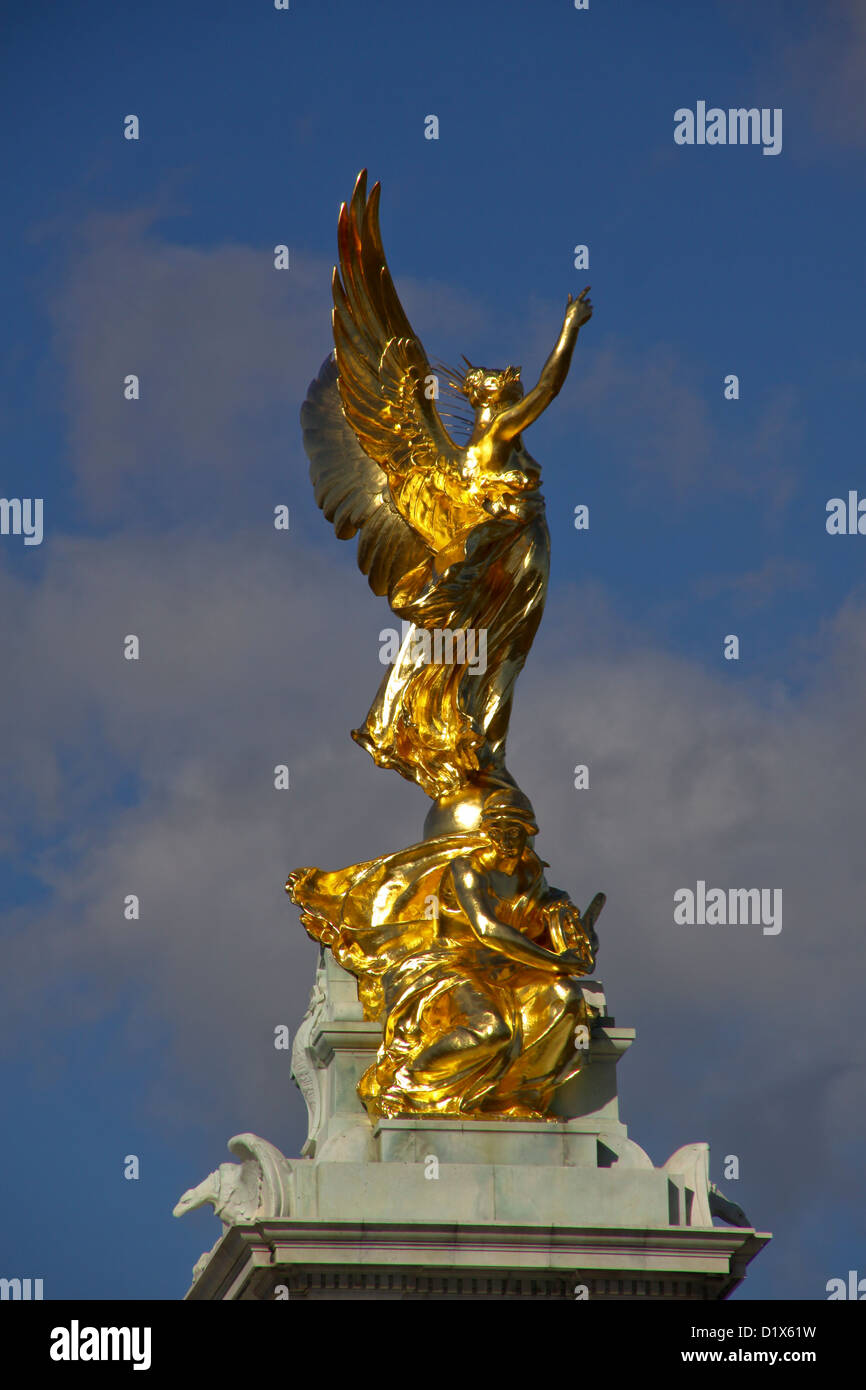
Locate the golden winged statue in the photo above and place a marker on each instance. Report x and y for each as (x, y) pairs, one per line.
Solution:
(460, 948)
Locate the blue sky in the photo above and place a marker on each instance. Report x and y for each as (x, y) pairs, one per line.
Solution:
(707, 517)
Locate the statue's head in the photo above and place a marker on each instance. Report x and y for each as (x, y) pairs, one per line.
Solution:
(487, 387)
(508, 820)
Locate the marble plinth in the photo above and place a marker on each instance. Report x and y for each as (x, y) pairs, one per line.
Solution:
(446, 1208)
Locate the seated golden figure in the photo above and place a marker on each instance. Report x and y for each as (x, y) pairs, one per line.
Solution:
(468, 958)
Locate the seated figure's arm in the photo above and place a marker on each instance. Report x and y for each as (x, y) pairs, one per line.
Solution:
(520, 416)
(480, 910)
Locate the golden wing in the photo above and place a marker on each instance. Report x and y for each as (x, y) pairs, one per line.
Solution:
(411, 466)
(383, 369)
(353, 491)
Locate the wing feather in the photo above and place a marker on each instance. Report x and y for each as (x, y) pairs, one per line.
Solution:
(376, 443)
(353, 491)
(378, 354)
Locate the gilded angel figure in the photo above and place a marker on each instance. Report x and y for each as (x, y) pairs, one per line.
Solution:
(480, 998)
(454, 535)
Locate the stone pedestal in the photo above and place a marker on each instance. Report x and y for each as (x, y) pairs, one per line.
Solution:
(443, 1208)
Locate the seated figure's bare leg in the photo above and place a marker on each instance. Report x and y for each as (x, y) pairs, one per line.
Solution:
(482, 1030)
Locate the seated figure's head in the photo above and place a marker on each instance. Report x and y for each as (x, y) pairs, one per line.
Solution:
(508, 820)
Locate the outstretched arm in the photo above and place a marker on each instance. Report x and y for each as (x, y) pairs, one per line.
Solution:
(499, 936)
(520, 416)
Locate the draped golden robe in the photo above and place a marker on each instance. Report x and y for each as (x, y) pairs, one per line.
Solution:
(466, 1029)
(441, 724)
